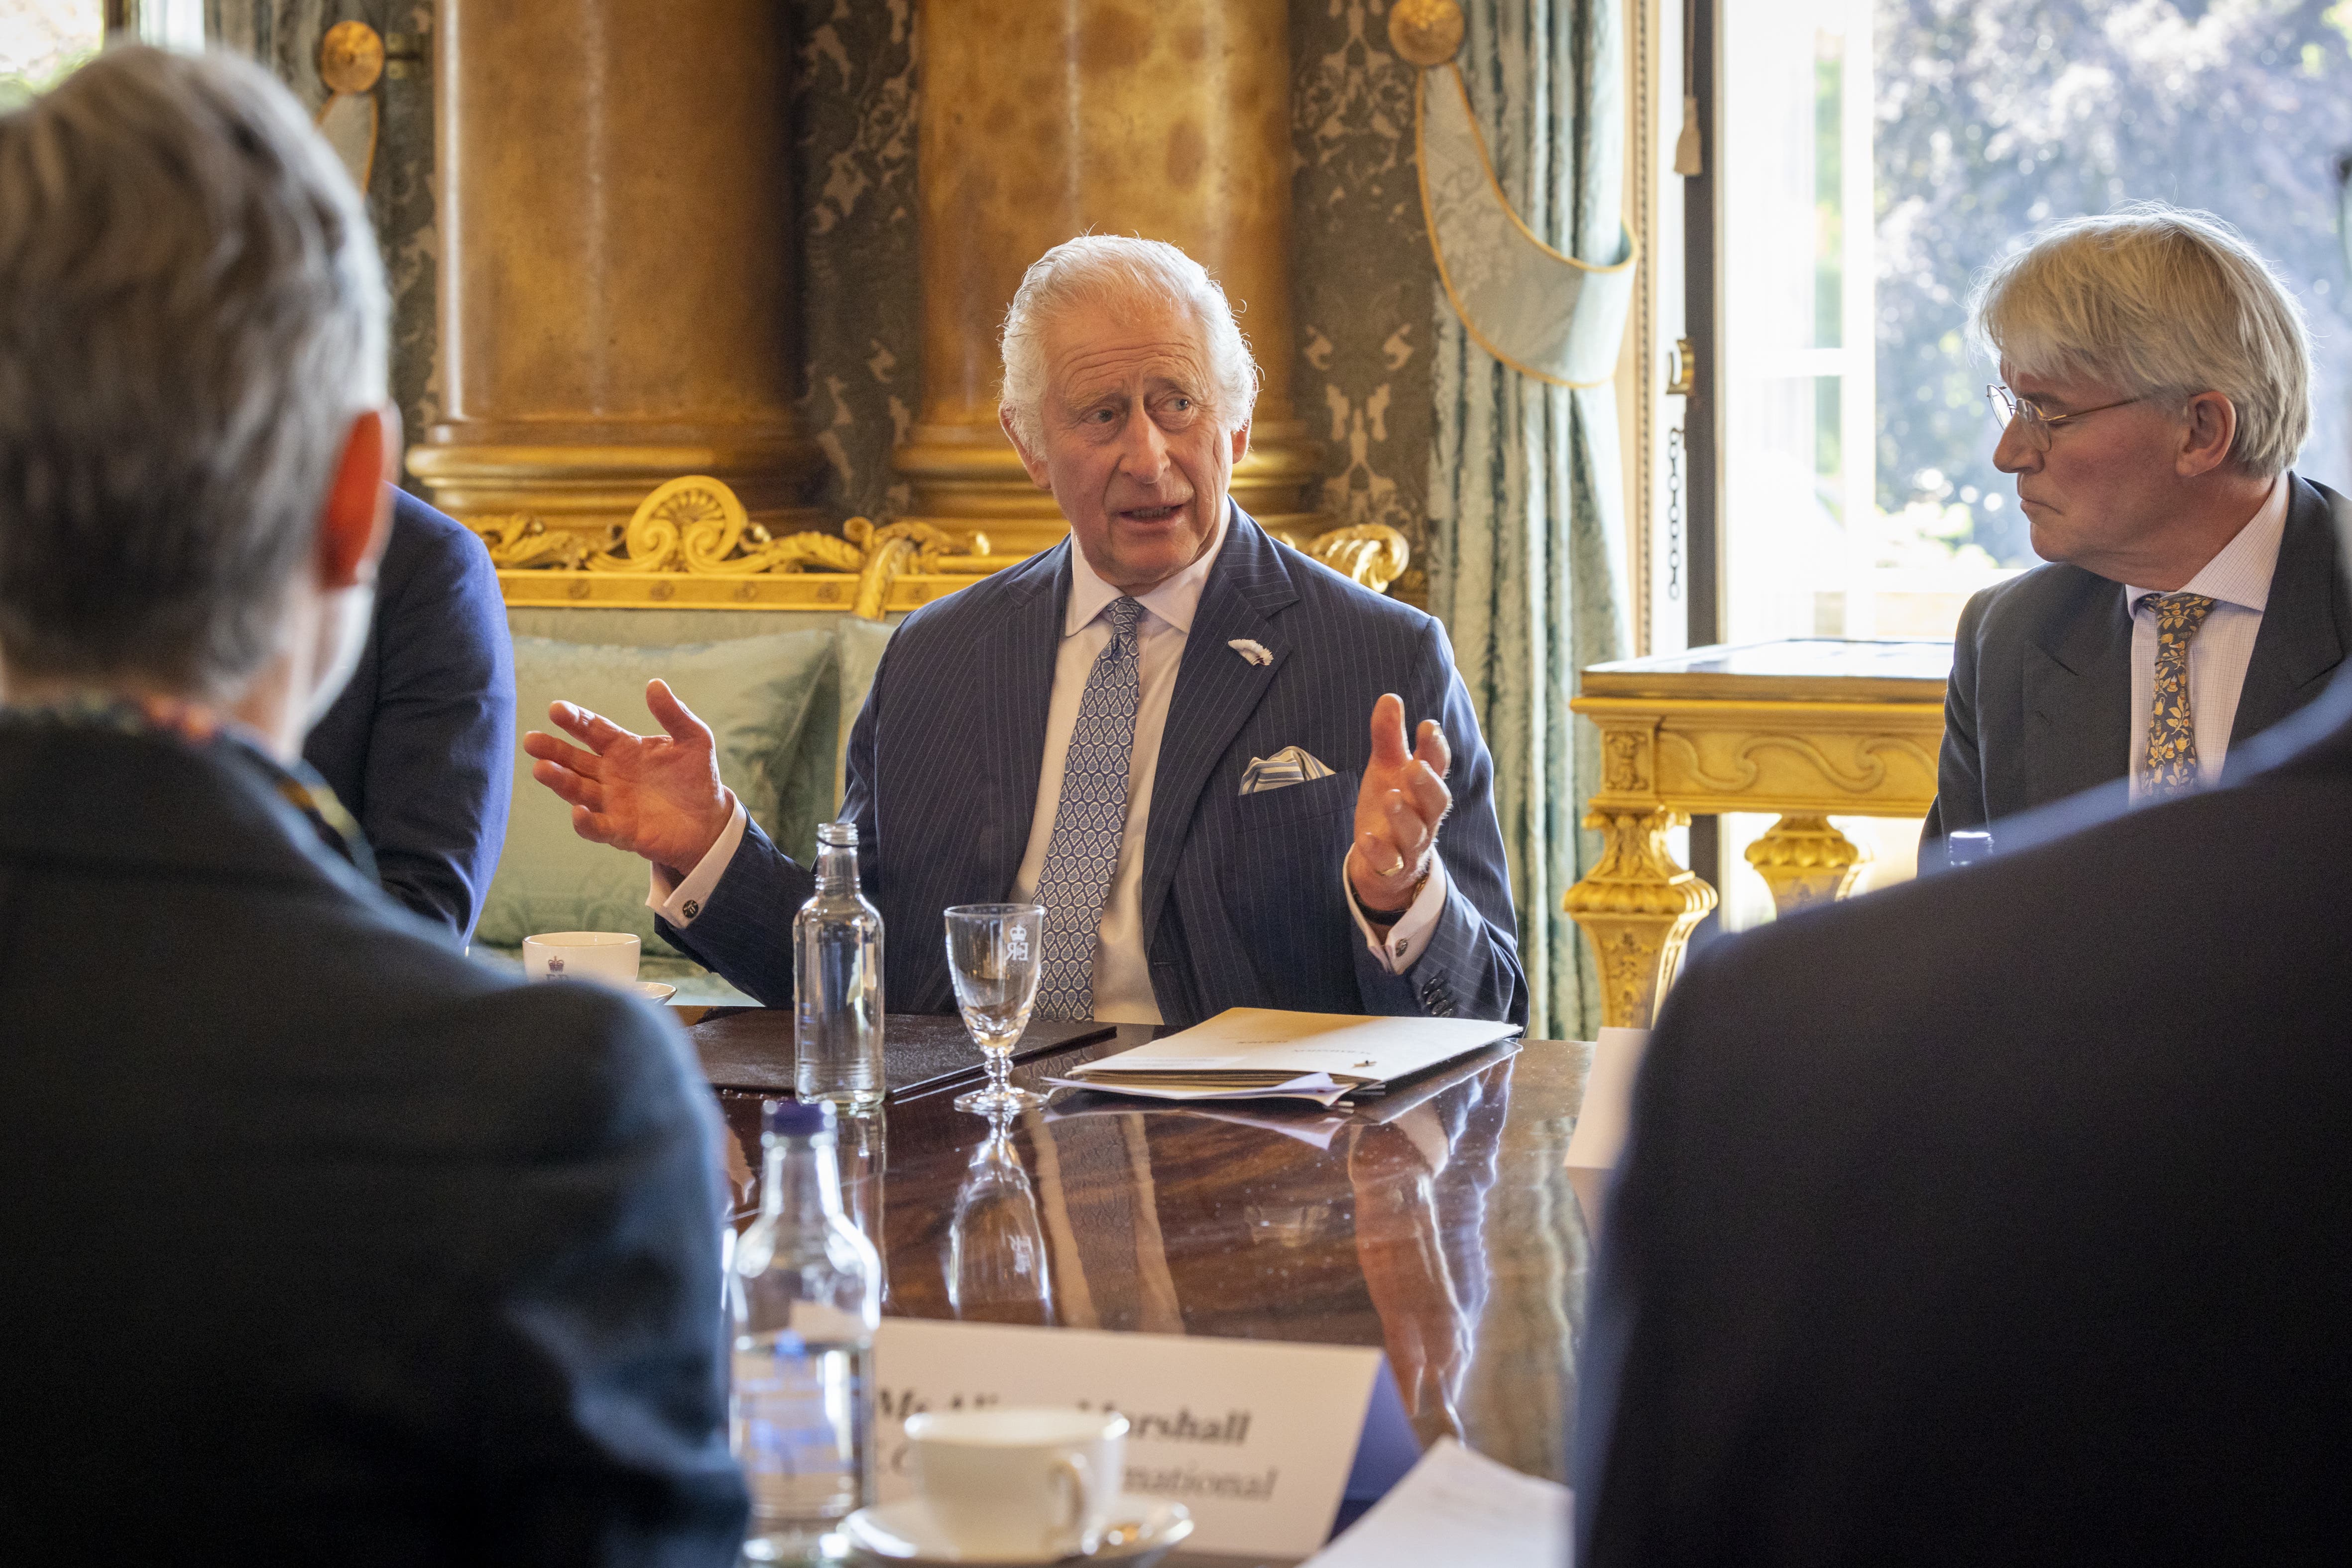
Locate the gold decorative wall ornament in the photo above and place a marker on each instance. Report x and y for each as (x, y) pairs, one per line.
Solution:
(1425, 32)
(1371, 553)
(350, 62)
(1545, 313)
(350, 57)
(1804, 729)
(691, 542)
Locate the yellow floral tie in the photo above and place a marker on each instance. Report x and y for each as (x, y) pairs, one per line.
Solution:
(2172, 728)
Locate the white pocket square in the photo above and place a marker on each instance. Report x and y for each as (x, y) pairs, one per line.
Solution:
(1290, 765)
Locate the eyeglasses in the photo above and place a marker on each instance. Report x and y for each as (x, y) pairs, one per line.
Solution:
(2007, 405)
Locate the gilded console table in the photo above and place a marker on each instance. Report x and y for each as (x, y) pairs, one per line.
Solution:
(1805, 728)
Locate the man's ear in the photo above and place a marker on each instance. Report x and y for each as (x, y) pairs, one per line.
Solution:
(1240, 442)
(356, 521)
(2210, 430)
(1035, 463)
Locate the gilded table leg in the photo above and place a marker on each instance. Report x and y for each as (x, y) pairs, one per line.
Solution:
(1806, 861)
(1637, 908)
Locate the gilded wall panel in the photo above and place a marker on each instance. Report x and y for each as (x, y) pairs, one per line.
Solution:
(1362, 277)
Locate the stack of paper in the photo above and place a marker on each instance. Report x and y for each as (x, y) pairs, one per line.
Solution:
(1247, 1053)
(1457, 1506)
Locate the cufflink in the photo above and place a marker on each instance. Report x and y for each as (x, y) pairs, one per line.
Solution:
(692, 907)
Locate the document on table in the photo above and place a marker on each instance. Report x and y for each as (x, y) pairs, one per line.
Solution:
(1456, 1506)
(1261, 1051)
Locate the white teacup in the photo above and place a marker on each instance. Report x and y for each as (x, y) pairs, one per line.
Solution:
(1019, 1485)
(610, 956)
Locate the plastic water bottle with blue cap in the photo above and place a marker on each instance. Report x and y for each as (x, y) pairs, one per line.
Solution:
(805, 1293)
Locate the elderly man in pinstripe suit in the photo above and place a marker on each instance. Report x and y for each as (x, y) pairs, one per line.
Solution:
(1158, 729)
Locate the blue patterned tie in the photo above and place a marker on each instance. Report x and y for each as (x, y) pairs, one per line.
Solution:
(2172, 727)
(1089, 821)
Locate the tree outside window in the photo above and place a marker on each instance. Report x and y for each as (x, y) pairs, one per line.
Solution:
(41, 41)
(1994, 116)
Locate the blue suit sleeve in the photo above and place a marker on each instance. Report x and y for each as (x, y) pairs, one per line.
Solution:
(745, 930)
(440, 741)
(1471, 967)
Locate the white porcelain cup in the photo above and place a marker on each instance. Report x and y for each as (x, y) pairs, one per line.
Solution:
(610, 956)
(1019, 1485)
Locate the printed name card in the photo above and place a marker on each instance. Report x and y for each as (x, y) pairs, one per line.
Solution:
(1254, 1436)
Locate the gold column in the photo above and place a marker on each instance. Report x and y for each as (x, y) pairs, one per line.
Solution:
(1041, 121)
(617, 258)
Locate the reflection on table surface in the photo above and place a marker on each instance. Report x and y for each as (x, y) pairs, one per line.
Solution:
(1436, 1222)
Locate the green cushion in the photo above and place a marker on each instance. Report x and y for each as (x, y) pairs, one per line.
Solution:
(755, 693)
(857, 654)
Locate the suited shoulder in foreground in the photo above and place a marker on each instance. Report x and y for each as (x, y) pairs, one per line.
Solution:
(324, 1244)
(1184, 739)
(420, 742)
(2005, 1216)
(2159, 384)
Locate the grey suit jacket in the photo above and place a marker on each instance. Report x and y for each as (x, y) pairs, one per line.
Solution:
(1243, 904)
(2039, 707)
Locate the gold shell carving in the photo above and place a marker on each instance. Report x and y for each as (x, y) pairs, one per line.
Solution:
(1425, 32)
(695, 526)
(350, 57)
(1371, 553)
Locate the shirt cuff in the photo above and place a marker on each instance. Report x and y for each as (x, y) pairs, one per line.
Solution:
(1409, 938)
(679, 904)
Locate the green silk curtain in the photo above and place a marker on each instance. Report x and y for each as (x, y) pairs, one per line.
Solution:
(1526, 502)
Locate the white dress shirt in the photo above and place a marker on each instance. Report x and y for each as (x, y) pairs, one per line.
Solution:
(1122, 976)
(2238, 580)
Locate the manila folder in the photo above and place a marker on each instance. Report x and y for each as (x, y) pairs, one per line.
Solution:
(1242, 1044)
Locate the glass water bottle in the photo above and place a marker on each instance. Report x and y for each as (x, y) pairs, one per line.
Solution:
(806, 1294)
(837, 981)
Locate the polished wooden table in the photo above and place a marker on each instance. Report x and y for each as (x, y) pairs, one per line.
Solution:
(1807, 728)
(1436, 1223)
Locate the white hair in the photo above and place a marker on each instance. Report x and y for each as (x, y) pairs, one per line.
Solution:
(191, 313)
(2160, 303)
(1125, 273)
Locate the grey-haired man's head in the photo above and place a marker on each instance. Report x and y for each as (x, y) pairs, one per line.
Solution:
(191, 345)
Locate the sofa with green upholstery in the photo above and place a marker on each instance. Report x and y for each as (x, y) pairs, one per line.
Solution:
(779, 689)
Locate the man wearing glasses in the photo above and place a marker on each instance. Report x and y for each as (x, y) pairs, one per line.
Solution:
(2157, 383)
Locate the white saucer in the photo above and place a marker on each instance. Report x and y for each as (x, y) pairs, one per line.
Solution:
(1141, 1534)
(653, 990)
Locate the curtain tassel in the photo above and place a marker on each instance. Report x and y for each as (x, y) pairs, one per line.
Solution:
(1686, 144)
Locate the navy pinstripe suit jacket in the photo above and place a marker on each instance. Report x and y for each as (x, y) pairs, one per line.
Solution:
(1242, 905)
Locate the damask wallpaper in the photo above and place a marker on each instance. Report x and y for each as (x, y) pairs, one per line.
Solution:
(1363, 276)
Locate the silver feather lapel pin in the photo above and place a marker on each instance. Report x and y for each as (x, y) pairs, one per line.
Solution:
(1253, 651)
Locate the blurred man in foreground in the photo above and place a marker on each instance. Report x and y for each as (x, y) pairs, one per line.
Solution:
(322, 1244)
(2006, 1216)
(2157, 385)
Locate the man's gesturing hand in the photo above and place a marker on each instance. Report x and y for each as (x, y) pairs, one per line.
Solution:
(655, 795)
(1402, 800)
